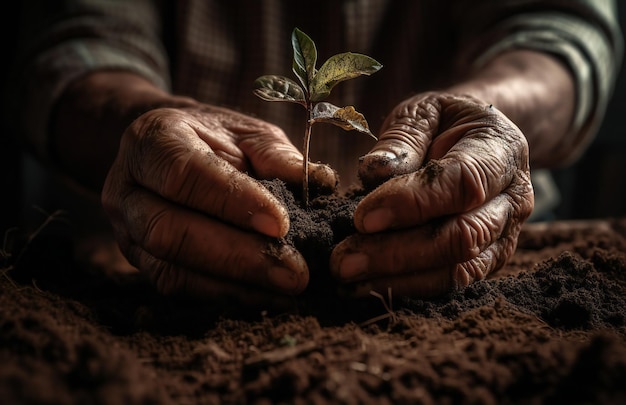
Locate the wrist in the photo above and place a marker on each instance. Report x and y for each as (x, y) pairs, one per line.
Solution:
(91, 116)
(535, 91)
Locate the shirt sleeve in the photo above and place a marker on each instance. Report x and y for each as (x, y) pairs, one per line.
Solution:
(583, 34)
(62, 41)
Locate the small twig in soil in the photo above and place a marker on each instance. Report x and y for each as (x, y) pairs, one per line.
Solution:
(6, 255)
(50, 217)
(4, 252)
(4, 272)
(280, 355)
(388, 307)
(286, 353)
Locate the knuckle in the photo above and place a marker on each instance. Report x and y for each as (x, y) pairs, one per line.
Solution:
(167, 279)
(475, 269)
(241, 263)
(178, 179)
(239, 267)
(411, 118)
(466, 273)
(158, 231)
(155, 147)
(520, 197)
(460, 276)
(473, 178)
(470, 235)
(145, 131)
(491, 259)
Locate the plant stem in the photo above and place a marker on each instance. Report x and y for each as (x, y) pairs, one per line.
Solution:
(305, 162)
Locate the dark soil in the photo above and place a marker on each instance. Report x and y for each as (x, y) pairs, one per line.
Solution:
(550, 327)
(314, 230)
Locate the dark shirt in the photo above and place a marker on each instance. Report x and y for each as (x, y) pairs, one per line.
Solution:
(214, 50)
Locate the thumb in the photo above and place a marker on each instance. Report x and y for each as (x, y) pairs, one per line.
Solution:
(403, 143)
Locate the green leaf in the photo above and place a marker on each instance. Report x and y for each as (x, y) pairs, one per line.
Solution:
(347, 117)
(304, 57)
(338, 68)
(279, 88)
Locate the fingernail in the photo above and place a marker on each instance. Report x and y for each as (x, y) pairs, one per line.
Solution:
(378, 220)
(353, 265)
(265, 224)
(383, 153)
(284, 279)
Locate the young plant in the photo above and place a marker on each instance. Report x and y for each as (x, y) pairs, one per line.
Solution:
(315, 85)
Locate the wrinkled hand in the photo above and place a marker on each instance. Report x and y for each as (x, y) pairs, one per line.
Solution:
(455, 192)
(187, 211)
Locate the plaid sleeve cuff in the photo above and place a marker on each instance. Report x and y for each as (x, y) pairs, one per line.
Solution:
(54, 70)
(592, 56)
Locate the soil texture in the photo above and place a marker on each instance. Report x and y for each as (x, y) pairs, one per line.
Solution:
(550, 327)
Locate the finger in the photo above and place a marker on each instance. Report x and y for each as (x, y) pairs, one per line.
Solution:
(201, 244)
(171, 280)
(275, 157)
(165, 155)
(410, 131)
(402, 144)
(476, 169)
(456, 239)
(434, 282)
(270, 152)
(420, 129)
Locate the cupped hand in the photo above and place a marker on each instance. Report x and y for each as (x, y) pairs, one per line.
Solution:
(453, 191)
(187, 209)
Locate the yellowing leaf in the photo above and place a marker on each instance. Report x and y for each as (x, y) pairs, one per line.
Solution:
(338, 68)
(279, 88)
(347, 117)
(304, 57)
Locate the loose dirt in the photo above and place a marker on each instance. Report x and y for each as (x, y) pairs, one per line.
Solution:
(550, 327)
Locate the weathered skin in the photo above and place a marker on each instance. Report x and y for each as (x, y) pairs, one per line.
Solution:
(453, 174)
(186, 213)
(455, 191)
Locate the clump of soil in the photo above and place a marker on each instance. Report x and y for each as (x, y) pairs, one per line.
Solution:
(316, 229)
(550, 327)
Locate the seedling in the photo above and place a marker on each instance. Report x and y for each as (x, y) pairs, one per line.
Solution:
(315, 85)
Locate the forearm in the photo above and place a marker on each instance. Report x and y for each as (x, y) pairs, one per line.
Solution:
(91, 116)
(536, 91)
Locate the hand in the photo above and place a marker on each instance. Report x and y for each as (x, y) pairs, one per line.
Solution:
(455, 191)
(188, 213)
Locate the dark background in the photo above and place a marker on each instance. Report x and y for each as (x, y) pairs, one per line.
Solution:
(593, 187)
